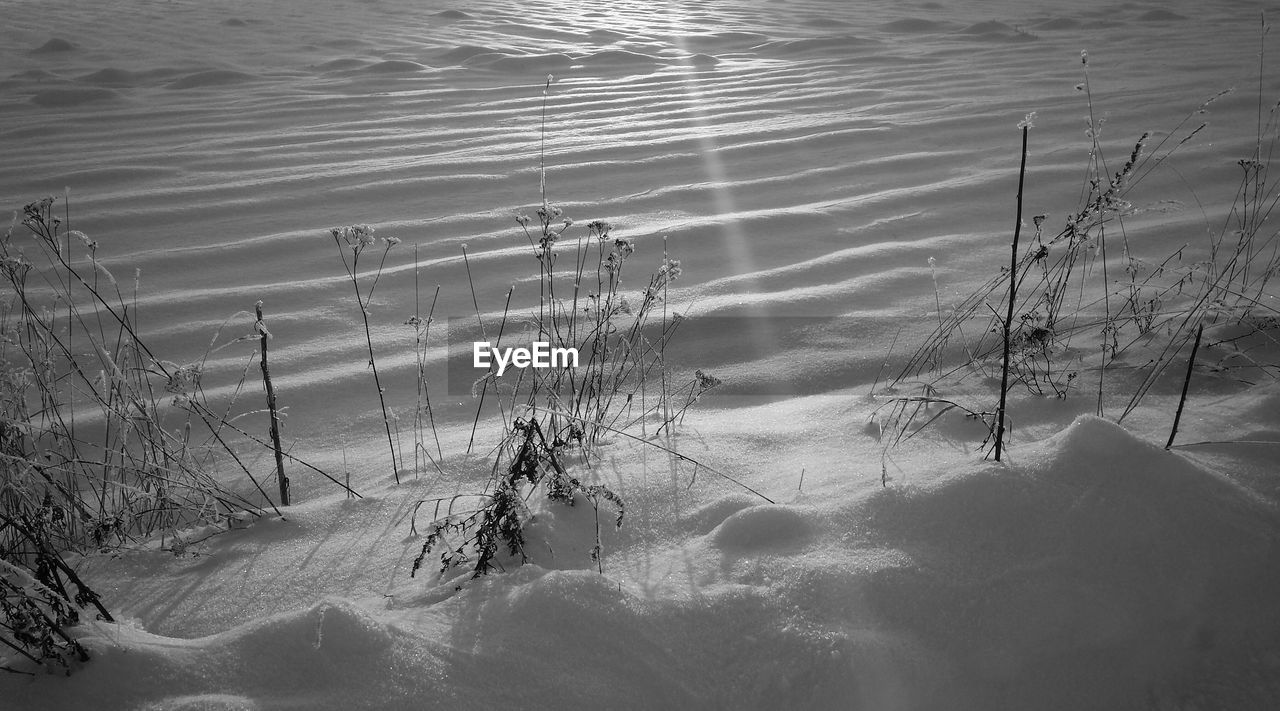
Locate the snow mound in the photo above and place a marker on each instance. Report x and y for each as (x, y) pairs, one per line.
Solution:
(1095, 571)
(725, 649)
(1102, 554)
(602, 638)
(331, 650)
(54, 45)
(766, 526)
(710, 515)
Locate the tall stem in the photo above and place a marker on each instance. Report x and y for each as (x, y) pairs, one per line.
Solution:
(1186, 384)
(362, 302)
(377, 383)
(1013, 291)
(271, 407)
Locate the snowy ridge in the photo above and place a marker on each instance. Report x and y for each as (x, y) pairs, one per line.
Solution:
(1097, 557)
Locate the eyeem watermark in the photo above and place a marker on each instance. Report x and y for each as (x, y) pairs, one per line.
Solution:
(540, 354)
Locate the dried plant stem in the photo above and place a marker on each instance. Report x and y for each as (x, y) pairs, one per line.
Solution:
(542, 148)
(382, 401)
(422, 329)
(1186, 383)
(363, 300)
(1013, 289)
(426, 392)
(271, 407)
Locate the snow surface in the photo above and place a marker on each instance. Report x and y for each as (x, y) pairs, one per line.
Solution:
(803, 159)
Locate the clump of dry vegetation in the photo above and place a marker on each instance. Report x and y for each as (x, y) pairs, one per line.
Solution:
(103, 444)
(1088, 312)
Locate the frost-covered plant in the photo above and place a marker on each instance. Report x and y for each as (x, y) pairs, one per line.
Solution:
(86, 421)
(102, 442)
(356, 239)
(473, 538)
(1085, 308)
(34, 618)
(622, 379)
(620, 384)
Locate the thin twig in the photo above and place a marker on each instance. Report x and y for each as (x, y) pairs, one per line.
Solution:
(1013, 288)
(1186, 383)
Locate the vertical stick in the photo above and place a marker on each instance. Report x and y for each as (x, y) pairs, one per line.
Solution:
(1177, 417)
(542, 149)
(598, 551)
(271, 406)
(662, 342)
(422, 376)
(417, 355)
(1013, 289)
(71, 401)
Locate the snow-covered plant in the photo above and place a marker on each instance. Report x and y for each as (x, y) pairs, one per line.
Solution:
(102, 442)
(622, 378)
(620, 384)
(34, 618)
(1090, 309)
(473, 538)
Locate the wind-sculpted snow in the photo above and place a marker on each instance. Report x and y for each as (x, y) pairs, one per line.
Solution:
(1098, 558)
(833, 177)
(757, 138)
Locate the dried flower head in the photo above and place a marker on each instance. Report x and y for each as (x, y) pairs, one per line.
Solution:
(357, 237)
(599, 228)
(15, 265)
(705, 381)
(612, 263)
(670, 269)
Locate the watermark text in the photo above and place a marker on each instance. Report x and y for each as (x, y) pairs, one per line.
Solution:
(540, 354)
